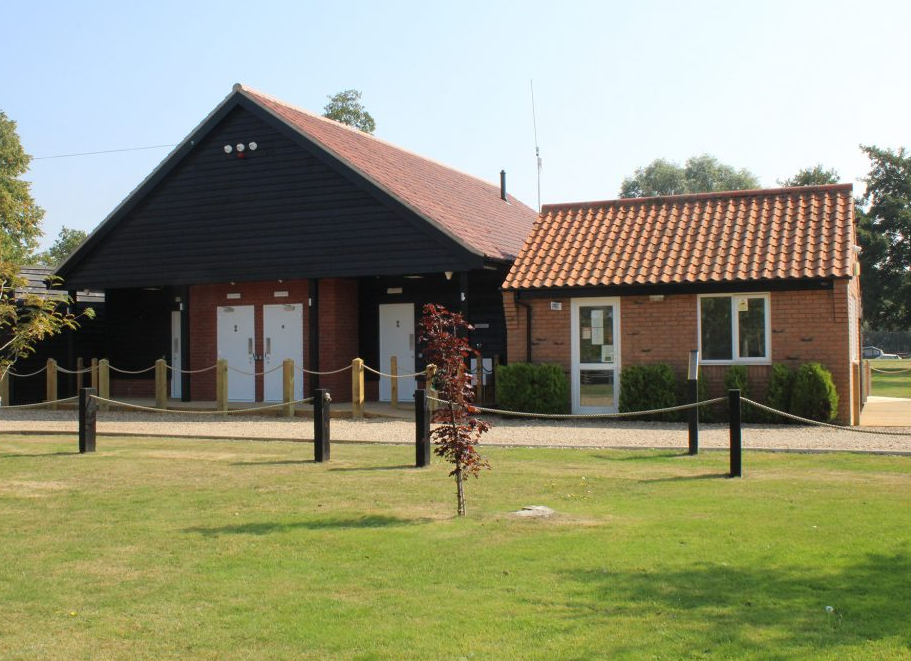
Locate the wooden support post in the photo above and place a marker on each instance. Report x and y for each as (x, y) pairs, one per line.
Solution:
(80, 365)
(104, 383)
(394, 371)
(321, 416)
(431, 391)
(161, 384)
(288, 387)
(94, 374)
(736, 442)
(479, 380)
(4, 390)
(221, 385)
(357, 388)
(51, 375)
(421, 429)
(87, 418)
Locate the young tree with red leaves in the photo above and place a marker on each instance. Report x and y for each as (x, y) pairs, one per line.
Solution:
(459, 430)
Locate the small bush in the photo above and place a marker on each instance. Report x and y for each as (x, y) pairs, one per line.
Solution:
(707, 413)
(813, 395)
(781, 385)
(738, 378)
(532, 388)
(644, 387)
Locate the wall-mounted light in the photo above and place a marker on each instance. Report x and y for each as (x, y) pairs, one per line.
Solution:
(228, 149)
(252, 146)
(656, 298)
(448, 274)
(240, 147)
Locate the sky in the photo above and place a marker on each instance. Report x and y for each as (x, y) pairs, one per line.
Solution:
(772, 87)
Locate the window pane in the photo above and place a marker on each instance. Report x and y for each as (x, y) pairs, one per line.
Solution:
(596, 388)
(717, 337)
(752, 327)
(596, 334)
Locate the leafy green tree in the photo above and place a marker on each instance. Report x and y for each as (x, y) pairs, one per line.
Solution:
(20, 217)
(883, 230)
(814, 176)
(700, 174)
(346, 107)
(67, 241)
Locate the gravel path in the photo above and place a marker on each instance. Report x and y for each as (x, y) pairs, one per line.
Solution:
(504, 431)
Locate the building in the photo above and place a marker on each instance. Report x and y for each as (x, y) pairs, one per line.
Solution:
(747, 277)
(272, 233)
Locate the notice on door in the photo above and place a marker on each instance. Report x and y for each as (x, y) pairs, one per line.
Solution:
(597, 327)
(607, 353)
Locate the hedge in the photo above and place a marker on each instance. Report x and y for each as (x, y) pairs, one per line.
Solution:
(532, 388)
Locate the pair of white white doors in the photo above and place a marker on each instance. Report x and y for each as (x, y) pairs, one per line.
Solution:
(283, 338)
(397, 339)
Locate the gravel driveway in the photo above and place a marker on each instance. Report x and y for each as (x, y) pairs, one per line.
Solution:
(504, 431)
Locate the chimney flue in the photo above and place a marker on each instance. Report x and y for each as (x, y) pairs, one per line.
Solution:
(503, 185)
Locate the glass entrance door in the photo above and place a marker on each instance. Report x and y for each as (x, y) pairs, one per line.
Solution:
(596, 354)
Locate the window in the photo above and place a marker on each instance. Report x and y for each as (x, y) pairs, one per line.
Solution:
(734, 328)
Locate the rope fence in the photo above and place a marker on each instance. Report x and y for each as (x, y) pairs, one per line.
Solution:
(263, 373)
(589, 416)
(153, 409)
(395, 376)
(898, 371)
(122, 371)
(25, 376)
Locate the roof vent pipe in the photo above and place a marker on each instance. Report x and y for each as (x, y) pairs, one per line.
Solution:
(503, 185)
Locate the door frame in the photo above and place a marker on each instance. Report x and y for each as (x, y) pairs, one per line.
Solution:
(577, 367)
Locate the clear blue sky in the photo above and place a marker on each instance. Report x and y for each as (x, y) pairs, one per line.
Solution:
(771, 86)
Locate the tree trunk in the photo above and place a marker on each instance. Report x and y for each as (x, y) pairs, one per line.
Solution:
(460, 491)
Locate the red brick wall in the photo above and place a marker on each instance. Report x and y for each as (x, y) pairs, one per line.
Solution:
(133, 387)
(338, 334)
(806, 326)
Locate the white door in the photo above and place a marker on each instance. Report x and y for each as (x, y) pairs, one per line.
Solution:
(175, 354)
(397, 339)
(596, 354)
(283, 337)
(236, 345)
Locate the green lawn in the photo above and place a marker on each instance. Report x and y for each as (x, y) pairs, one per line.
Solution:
(897, 384)
(157, 549)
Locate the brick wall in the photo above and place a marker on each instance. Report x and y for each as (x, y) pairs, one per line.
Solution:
(806, 326)
(338, 334)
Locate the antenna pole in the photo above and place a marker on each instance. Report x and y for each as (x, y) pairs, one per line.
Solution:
(534, 120)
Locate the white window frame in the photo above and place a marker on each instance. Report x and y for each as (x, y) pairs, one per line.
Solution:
(735, 330)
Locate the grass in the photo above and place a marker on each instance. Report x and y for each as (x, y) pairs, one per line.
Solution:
(891, 385)
(154, 549)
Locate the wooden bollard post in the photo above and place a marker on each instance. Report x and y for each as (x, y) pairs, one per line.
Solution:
(51, 375)
(161, 384)
(321, 400)
(394, 371)
(4, 389)
(94, 374)
(357, 388)
(104, 383)
(479, 383)
(87, 418)
(736, 440)
(288, 387)
(221, 385)
(421, 429)
(431, 391)
(80, 365)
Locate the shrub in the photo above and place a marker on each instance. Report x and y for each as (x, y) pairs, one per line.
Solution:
(706, 413)
(781, 385)
(532, 388)
(644, 387)
(737, 378)
(813, 395)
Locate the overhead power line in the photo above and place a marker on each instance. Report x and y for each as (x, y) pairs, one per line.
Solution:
(106, 151)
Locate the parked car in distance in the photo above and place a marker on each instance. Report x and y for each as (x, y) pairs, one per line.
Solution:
(875, 353)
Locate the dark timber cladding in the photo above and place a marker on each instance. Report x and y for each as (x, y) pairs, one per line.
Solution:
(285, 210)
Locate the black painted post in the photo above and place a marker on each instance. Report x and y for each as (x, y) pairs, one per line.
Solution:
(736, 445)
(321, 401)
(693, 396)
(421, 429)
(88, 409)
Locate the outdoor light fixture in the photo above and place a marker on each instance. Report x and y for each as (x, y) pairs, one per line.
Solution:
(252, 146)
(448, 274)
(240, 146)
(228, 149)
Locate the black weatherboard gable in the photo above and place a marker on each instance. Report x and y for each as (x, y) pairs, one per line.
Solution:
(291, 209)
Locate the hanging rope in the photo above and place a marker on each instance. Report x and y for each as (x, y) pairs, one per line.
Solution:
(66, 371)
(590, 416)
(152, 409)
(200, 371)
(399, 376)
(898, 371)
(807, 421)
(41, 404)
(234, 369)
(142, 371)
(340, 369)
(25, 376)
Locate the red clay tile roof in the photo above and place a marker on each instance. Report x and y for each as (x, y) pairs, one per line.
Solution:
(784, 233)
(465, 207)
